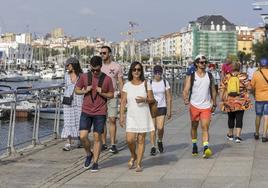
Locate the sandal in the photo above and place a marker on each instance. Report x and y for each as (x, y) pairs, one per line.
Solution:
(139, 169)
(131, 163)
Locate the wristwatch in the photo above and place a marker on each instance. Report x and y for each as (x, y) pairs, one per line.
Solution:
(214, 105)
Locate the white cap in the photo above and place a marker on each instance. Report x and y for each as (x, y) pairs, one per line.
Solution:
(200, 56)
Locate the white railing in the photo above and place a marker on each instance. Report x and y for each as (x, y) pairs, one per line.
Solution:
(38, 95)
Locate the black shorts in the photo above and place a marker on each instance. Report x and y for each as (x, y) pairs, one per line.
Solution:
(162, 111)
(98, 121)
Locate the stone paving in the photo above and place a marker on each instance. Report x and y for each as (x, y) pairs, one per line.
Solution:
(232, 165)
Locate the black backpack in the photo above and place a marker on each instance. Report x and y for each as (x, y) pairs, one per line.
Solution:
(192, 83)
(100, 83)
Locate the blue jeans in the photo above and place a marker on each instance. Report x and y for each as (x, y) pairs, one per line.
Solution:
(261, 108)
(98, 122)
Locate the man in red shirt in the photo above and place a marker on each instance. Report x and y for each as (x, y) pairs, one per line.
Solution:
(94, 108)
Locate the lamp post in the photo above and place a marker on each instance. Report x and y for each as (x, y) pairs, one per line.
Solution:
(265, 21)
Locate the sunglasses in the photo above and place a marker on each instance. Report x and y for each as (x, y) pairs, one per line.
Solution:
(103, 53)
(202, 62)
(95, 70)
(138, 70)
(158, 72)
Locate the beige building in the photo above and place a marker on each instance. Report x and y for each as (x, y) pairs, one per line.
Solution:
(244, 39)
(80, 43)
(258, 34)
(167, 46)
(8, 37)
(57, 33)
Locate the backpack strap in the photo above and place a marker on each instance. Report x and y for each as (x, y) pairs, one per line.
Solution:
(192, 78)
(89, 78)
(100, 83)
(101, 79)
(264, 76)
(165, 83)
(210, 82)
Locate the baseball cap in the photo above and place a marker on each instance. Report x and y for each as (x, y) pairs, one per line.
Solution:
(71, 60)
(158, 68)
(200, 56)
(264, 62)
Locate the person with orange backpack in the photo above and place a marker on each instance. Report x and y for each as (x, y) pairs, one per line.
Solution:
(235, 100)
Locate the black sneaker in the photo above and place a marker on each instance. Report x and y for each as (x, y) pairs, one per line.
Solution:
(230, 137)
(256, 136)
(160, 147)
(264, 139)
(95, 167)
(88, 161)
(113, 149)
(195, 150)
(104, 147)
(238, 139)
(153, 151)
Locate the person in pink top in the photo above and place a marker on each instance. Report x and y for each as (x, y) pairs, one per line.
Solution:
(96, 87)
(226, 68)
(114, 71)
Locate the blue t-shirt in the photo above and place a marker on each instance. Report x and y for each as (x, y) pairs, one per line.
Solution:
(191, 69)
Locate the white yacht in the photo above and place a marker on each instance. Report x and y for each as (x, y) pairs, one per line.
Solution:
(47, 74)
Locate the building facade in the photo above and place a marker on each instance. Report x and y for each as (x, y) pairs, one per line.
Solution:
(213, 35)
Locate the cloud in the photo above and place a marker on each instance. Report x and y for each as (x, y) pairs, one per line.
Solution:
(86, 12)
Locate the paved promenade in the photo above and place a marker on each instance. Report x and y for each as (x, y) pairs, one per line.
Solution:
(232, 165)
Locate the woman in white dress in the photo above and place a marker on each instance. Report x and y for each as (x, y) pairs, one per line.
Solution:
(71, 112)
(138, 119)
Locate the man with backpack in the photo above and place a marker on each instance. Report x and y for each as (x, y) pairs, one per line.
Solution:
(200, 93)
(96, 87)
(259, 85)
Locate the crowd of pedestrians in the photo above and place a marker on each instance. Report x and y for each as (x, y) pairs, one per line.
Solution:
(100, 97)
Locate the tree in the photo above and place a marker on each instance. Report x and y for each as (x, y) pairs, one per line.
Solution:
(260, 50)
(145, 58)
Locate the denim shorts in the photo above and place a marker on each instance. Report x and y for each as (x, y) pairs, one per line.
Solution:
(261, 108)
(98, 122)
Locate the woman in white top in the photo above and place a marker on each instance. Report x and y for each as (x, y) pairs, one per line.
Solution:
(138, 120)
(162, 95)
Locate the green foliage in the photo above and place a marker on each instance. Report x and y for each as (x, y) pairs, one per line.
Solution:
(260, 50)
(232, 57)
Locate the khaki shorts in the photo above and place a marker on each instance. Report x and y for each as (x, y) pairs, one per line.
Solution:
(112, 105)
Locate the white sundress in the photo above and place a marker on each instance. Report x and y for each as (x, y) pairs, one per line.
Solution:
(139, 119)
(71, 113)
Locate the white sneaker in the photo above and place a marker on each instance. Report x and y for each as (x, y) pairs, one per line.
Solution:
(67, 147)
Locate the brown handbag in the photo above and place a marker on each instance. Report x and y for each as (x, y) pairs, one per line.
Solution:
(152, 105)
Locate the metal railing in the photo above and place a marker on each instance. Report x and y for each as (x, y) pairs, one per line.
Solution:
(39, 96)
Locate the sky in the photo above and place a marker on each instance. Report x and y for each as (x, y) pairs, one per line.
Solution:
(109, 18)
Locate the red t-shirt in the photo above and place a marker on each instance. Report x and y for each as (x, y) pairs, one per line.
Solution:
(98, 105)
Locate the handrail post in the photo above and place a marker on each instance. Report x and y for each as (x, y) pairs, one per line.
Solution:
(10, 129)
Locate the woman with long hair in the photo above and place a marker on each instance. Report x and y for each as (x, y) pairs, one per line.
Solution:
(137, 95)
(71, 112)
